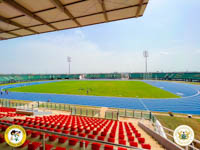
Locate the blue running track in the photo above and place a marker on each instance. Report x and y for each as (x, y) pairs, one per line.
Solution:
(188, 103)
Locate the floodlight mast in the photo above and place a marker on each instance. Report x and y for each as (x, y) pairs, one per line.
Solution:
(146, 55)
(69, 59)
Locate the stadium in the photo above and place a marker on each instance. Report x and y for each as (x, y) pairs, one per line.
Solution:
(110, 110)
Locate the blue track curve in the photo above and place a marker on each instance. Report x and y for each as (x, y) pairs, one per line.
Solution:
(189, 103)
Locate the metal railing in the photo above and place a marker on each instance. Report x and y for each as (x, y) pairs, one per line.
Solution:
(73, 109)
(73, 136)
(128, 113)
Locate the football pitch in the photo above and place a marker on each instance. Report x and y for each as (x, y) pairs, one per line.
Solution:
(136, 89)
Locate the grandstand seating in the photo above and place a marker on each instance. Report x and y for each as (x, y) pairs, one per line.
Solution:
(117, 132)
(103, 76)
(6, 109)
(167, 76)
(8, 112)
(36, 77)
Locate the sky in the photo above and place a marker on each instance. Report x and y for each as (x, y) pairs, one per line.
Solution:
(169, 31)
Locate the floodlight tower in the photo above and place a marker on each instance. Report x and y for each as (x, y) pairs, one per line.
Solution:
(69, 59)
(146, 55)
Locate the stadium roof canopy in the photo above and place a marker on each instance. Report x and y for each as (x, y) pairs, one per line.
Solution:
(20, 18)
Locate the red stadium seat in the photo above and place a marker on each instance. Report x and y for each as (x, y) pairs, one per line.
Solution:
(46, 135)
(60, 148)
(53, 138)
(101, 138)
(121, 136)
(131, 138)
(146, 146)
(141, 140)
(112, 135)
(111, 140)
(25, 143)
(134, 144)
(95, 132)
(137, 134)
(47, 147)
(73, 141)
(103, 133)
(73, 133)
(62, 139)
(121, 148)
(108, 147)
(82, 134)
(91, 136)
(65, 132)
(96, 146)
(122, 142)
(35, 134)
(2, 140)
(34, 146)
(86, 143)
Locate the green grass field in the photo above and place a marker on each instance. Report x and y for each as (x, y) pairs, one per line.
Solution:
(100, 88)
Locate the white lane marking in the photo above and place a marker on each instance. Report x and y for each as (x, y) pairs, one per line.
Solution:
(179, 93)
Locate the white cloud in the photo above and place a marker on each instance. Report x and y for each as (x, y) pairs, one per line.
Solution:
(80, 33)
(164, 53)
(198, 51)
(48, 54)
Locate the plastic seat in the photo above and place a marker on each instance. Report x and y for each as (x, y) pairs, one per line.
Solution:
(53, 138)
(134, 144)
(91, 136)
(112, 135)
(87, 131)
(86, 143)
(121, 136)
(129, 133)
(58, 130)
(146, 146)
(73, 141)
(131, 138)
(103, 133)
(34, 145)
(47, 147)
(121, 132)
(2, 140)
(60, 148)
(25, 143)
(101, 138)
(82, 134)
(96, 146)
(80, 130)
(35, 134)
(122, 142)
(73, 133)
(121, 148)
(108, 147)
(62, 139)
(112, 140)
(65, 132)
(141, 140)
(137, 135)
(46, 135)
(95, 132)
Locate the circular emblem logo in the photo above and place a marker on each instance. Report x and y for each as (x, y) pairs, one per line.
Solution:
(183, 135)
(15, 135)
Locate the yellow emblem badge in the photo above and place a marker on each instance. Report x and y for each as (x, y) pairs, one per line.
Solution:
(15, 135)
(183, 135)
